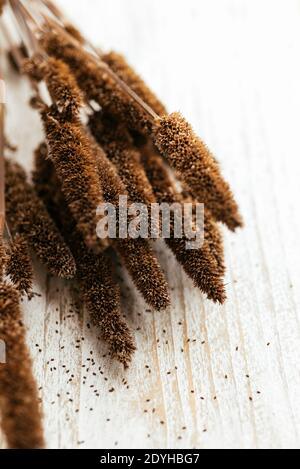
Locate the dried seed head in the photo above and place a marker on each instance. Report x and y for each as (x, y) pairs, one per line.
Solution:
(19, 266)
(96, 81)
(118, 146)
(136, 254)
(44, 179)
(213, 235)
(119, 65)
(27, 215)
(35, 68)
(21, 418)
(71, 153)
(145, 271)
(60, 82)
(200, 265)
(102, 298)
(176, 140)
(110, 181)
(73, 31)
(94, 272)
(15, 55)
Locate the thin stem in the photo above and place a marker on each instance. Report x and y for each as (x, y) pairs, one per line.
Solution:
(14, 49)
(23, 17)
(8, 232)
(59, 15)
(2, 168)
(52, 24)
(93, 55)
(54, 9)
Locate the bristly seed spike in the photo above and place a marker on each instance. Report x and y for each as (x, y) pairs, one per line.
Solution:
(94, 272)
(19, 403)
(19, 267)
(187, 154)
(27, 215)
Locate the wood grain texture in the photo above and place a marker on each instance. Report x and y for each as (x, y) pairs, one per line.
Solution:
(204, 376)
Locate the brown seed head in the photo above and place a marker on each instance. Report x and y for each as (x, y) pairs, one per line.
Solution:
(27, 215)
(94, 272)
(71, 153)
(102, 298)
(176, 140)
(20, 413)
(118, 146)
(19, 266)
(96, 81)
(60, 82)
(119, 65)
(145, 271)
(73, 31)
(136, 254)
(200, 265)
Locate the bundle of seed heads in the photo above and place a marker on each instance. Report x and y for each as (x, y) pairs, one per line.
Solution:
(130, 148)
(100, 292)
(173, 136)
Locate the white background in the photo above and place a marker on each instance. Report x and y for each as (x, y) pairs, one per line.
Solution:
(233, 68)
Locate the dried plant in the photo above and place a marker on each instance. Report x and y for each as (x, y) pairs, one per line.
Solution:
(71, 153)
(28, 216)
(176, 140)
(172, 135)
(19, 267)
(137, 254)
(200, 264)
(130, 147)
(102, 298)
(96, 80)
(20, 412)
(61, 84)
(145, 271)
(94, 272)
(118, 146)
(120, 66)
(2, 189)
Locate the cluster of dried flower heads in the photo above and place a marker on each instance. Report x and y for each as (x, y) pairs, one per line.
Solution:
(106, 135)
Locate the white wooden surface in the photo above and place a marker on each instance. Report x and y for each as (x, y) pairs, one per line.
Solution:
(217, 377)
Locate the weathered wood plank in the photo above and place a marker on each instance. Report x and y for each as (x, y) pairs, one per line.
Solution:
(203, 376)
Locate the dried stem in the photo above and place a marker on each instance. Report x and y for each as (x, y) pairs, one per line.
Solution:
(14, 48)
(2, 169)
(23, 17)
(3, 257)
(95, 58)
